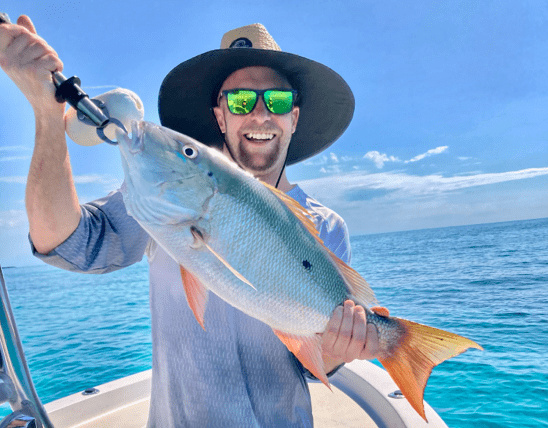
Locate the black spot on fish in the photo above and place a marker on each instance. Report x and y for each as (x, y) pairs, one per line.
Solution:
(307, 265)
(210, 174)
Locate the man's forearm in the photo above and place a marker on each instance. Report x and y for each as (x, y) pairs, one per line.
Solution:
(51, 199)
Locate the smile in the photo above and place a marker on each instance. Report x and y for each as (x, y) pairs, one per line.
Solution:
(255, 136)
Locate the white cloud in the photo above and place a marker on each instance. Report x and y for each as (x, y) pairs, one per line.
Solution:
(95, 179)
(13, 218)
(315, 161)
(430, 152)
(94, 185)
(12, 158)
(331, 169)
(105, 180)
(477, 172)
(391, 201)
(331, 164)
(380, 158)
(108, 182)
(19, 179)
(14, 148)
(403, 185)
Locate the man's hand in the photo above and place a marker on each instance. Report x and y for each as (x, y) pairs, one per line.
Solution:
(29, 61)
(348, 337)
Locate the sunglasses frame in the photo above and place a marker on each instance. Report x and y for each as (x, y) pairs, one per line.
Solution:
(260, 94)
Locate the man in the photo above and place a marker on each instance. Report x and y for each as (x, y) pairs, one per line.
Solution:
(236, 373)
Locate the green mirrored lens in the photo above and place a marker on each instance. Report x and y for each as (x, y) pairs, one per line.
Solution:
(279, 102)
(241, 102)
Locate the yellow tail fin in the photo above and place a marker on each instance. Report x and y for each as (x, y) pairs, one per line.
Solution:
(419, 350)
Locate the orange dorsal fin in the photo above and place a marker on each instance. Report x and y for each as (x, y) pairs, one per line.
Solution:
(198, 237)
(297, 210)
(381, 311)
(308, 351)
(419, 350)
(358, 287)
(196, 295)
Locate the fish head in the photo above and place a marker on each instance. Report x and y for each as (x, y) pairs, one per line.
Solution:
(166, 178)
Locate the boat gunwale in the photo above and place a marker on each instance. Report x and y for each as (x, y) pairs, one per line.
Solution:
(365, 383)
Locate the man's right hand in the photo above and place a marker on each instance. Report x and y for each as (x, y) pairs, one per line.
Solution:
(29, 61)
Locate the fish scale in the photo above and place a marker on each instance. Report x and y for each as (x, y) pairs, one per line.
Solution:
(256, 248)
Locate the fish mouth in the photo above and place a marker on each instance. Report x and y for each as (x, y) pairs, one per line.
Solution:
(130, 147)
(134, 144)
(137, 133)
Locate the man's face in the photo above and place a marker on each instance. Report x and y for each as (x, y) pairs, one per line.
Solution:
(260, 156)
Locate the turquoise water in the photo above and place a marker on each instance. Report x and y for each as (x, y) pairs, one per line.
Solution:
(487, 282)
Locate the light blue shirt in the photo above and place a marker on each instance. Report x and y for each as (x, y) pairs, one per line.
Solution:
(237, 373)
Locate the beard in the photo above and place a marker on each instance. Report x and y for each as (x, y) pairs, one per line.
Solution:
(257, 160)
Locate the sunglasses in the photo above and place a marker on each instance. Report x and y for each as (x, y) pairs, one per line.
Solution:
(243, 101)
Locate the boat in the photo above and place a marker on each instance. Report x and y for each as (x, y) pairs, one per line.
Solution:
(363, 395)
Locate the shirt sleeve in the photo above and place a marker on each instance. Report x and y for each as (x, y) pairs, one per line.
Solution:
(106, 239)
(334, 234)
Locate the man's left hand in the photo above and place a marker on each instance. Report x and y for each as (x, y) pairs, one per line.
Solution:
(348, 337)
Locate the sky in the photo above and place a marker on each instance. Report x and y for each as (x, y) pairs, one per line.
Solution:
(450, 126)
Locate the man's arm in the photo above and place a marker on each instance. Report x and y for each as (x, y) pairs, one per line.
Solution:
(51, 200)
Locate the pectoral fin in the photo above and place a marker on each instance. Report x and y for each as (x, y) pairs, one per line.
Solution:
(196, 295)
(308, 351)
(199, 237)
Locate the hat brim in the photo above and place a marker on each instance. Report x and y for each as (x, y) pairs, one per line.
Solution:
(189, 91)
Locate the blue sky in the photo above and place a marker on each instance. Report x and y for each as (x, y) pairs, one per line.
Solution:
(450, 126)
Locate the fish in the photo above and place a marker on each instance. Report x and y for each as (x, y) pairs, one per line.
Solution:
(258, 249)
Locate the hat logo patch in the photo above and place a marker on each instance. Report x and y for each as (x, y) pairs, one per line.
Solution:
(242, 42)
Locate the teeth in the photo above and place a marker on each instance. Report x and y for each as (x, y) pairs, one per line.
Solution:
(256, 136)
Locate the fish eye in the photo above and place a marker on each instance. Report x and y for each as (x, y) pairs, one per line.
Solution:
(190, 152)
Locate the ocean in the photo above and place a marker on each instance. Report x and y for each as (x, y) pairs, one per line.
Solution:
(488, 282)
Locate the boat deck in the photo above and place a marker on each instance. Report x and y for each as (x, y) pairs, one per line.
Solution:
(361, 397)
(330, 409)
(337, 410)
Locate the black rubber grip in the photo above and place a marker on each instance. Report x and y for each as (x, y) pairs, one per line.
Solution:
(70, 91)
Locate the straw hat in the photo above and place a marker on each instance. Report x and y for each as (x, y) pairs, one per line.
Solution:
(189, 92)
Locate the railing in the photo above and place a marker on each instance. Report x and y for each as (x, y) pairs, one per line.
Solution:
(16, 385)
